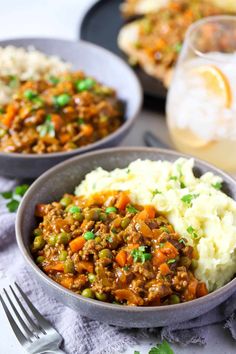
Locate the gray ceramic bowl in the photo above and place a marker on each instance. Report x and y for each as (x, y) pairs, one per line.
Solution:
(95, 61)
(63, 178)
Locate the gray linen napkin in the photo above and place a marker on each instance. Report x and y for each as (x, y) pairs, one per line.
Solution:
(82, 335)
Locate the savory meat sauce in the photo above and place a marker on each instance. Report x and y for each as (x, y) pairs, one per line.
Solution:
(104, 247)
(161, 34)
(59, 114)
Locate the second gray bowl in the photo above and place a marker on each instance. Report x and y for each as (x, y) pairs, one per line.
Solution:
(95, 61)
(64, 178)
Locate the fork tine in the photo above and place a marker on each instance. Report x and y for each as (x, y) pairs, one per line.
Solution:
(19, 335)
(23, 324)
(29, 319)
(41, 320)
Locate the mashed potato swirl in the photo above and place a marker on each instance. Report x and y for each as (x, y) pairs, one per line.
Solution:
(196, 207)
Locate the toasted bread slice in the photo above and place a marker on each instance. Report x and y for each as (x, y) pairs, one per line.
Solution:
(127, 42)
(141, 7)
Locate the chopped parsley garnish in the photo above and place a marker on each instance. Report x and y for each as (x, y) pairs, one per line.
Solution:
(178, 47)
(174, 178)
(161, 244)
(171, 261)
(14, 197)
(126, 268)
(131, 209)
(139, 254)
(182, 241)
(13, 82)
(187, 198)
(30, 94)
(80, 121)
(163, 348)
(47, 128)
(155, 192)
(165, 229)
(109, 239)
(217, 185)
(192, 232)
(53, 80)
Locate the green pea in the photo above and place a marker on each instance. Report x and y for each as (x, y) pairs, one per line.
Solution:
(53, 80)
(69, 266)
(91, 277)
(92, 214)
(52, 240)
(174, 299)
(38, 243)
(125, 222)
(86, 84)
(89, 235)
(185, 261)
(88, 293)
(30, 94)
(78, 216)
(103, 217)
(65, 201)
(100, 296)
(37, 232)
(111, 210)
(40, 259)
(105, 253)
(98, 239)
(63, 99)
(194, 263)
(2, 132)
(74, 209)
(64, 238)
(62, 256)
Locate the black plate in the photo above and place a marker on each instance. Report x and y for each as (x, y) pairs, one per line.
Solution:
(101, 25)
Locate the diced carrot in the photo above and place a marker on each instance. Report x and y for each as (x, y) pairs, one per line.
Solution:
(9, 117)
(191, 290)
(122, 201)
(129, 296)
(67, 282)
(121, 258)
(40, 210)
(84, 223)
(164, 269)
(169, 250)
(158, 258)
(84, 265)
(132, 246)
(160, 44)
(87, 129)
(143, 228)
(142, 215)
(202, 289)
(57, 121)
(54, 267)
(77, 244)
(64, 138)
(150, 210)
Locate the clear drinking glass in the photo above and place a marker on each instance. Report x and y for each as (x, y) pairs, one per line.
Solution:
(201, 102)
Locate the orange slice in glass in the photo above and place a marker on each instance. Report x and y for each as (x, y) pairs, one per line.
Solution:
(216, 82)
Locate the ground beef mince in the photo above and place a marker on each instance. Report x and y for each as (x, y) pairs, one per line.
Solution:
(59, 114)
(105, 248)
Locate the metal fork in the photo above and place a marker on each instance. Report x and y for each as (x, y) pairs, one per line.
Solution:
(36, 336)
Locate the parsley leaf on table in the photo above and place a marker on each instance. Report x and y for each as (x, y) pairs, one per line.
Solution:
(163, 348)
(14, 197)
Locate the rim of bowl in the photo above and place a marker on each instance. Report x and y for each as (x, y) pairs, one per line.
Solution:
(122, 129)
(27, 256)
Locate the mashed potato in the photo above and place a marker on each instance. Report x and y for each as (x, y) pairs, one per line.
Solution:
(196, 207)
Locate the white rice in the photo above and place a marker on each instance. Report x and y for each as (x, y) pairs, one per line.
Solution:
(26, 64)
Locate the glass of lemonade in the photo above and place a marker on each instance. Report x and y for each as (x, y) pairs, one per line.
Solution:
(201, 102)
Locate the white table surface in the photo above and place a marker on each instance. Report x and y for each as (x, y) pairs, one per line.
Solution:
(61, 18)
